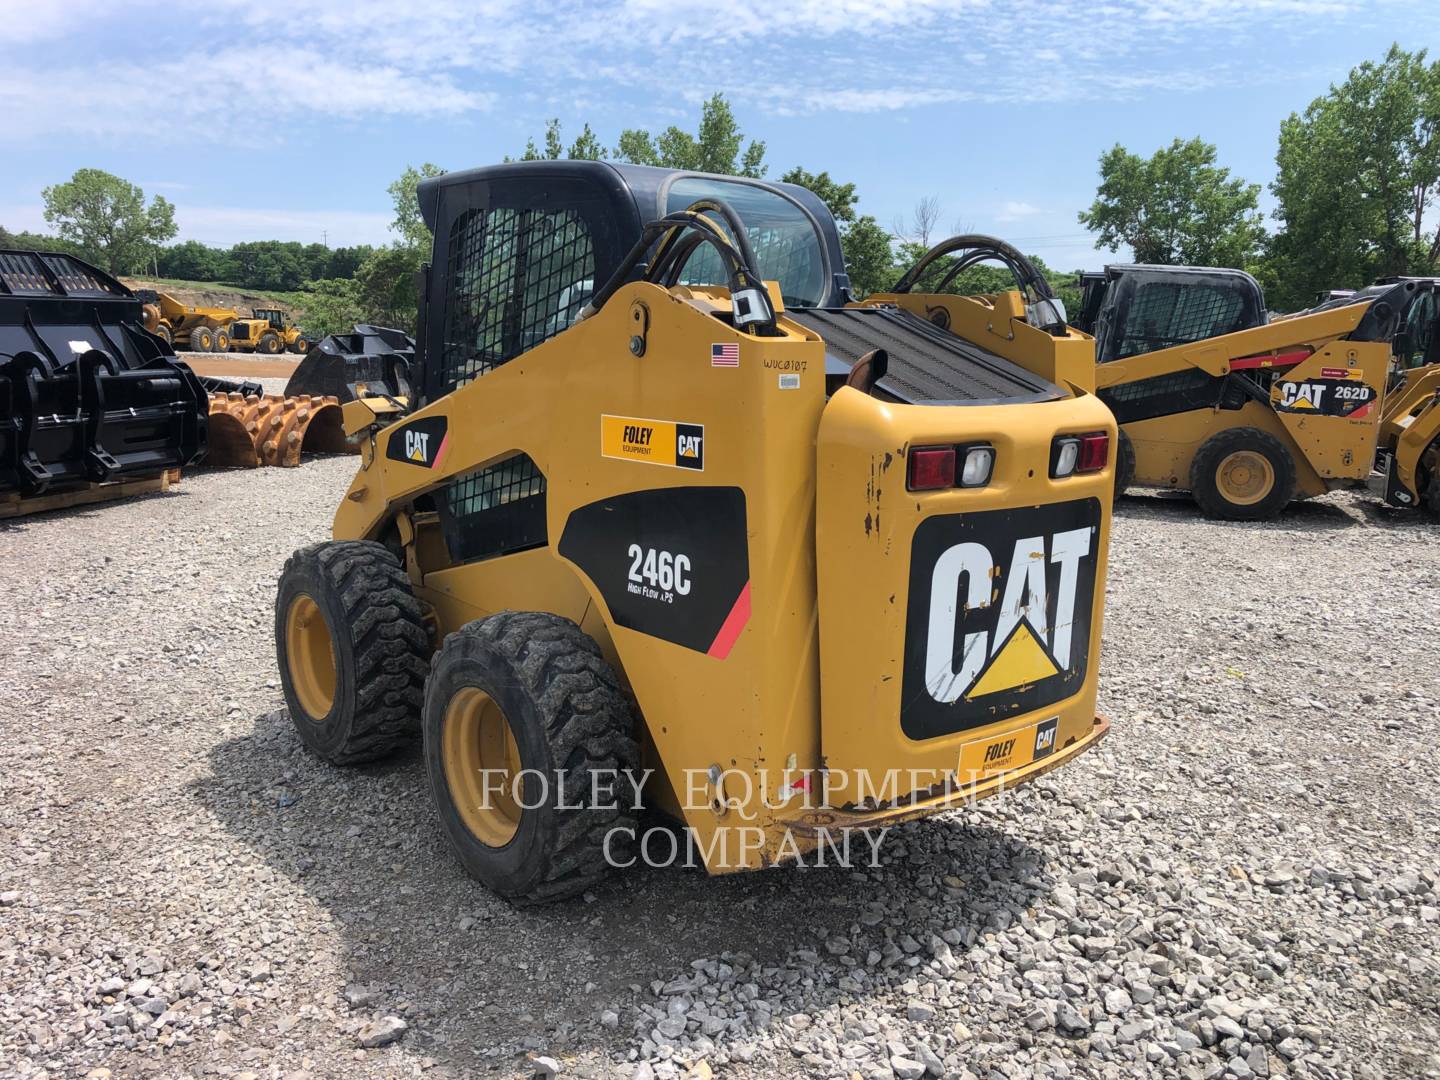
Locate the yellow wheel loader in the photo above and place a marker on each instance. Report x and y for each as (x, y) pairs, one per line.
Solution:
(671, 523)
(1244, 412)
(269, 331)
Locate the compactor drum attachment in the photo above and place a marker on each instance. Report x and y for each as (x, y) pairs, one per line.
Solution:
(661, 518)
(271, 429)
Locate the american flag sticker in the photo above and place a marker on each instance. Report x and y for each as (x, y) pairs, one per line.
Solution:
(726, 355)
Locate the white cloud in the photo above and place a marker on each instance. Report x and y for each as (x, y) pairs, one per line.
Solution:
(1015, 210)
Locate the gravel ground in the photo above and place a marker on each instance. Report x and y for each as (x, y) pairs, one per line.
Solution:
(1241, 881)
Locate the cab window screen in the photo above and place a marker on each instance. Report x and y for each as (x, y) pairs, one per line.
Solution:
(515, 277)
(785, 242)
(1163, 315)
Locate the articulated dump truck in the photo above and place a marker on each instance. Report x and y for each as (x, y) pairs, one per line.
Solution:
(668, 520)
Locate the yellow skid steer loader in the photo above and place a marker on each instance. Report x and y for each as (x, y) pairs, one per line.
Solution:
(1244, 412)
(671, 522)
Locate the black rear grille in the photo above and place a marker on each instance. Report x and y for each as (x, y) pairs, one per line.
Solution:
(928, 365)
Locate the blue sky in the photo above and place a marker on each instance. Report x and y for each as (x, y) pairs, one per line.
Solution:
(999, 109)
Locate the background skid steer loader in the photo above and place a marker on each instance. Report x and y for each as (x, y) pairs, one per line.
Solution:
(1244, 412)
(817, 565)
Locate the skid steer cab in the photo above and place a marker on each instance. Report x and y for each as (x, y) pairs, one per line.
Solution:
(671, 523)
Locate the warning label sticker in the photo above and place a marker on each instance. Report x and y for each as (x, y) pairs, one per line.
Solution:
(657, 442)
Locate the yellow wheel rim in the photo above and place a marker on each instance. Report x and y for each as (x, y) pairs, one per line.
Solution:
(310, 656)
(482, 764)
(1245, 477)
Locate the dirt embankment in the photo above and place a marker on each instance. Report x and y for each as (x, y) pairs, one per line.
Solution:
(218, 296)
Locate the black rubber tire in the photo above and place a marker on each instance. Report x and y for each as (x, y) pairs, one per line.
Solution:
(379, 640)
(1216, 448)
(1430, 494)
(163, 333)
(269, 343)
(1124, 464)
(569, 719)
(201, 338)
(300, 345)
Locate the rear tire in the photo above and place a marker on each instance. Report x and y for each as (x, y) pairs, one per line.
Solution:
(221, 342)
(201, 339)
(269, 343)
(353, 649)
(530, 690)
(1124, 464)
(163, 333)
(1243, 474)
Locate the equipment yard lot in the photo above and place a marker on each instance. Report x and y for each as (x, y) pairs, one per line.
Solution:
(1241, 876)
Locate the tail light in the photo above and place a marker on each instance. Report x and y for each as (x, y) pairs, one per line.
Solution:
(931, 468)
(934, 467)
(1070, 454)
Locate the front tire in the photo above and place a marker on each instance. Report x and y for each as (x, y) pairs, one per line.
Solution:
(201, 339)
(1243, 474)
(269, 343)
(527, 733)
(353, 649)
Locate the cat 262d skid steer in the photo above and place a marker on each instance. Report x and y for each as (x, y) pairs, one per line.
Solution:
(670, 520)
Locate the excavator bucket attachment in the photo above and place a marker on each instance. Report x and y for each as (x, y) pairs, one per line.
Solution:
(373, 359)
(248, 430)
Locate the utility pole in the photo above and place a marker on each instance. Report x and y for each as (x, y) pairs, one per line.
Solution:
(325, 238)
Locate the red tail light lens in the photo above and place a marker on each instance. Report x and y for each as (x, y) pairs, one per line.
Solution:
(931, 468)
(1094, 452)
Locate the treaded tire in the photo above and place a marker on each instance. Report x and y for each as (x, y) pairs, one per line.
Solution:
(378, 640)
(269, 343)
(1124, 464)
(570, 721)
(201, 339)
(299, 345)
(1220, 446)
(163, 333)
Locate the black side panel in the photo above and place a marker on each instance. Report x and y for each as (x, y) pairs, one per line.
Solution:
(928, 365)
(670, 562)
(497, 510)
(1163, 395)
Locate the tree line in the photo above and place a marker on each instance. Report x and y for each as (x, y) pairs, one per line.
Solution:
(1357, 174)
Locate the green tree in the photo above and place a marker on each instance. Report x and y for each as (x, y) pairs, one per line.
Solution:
(332, 306)
(1175, 207)
(106, 217)
(28, 241)
(408, 223)
(1357, 177)
(840, 198)
(716, 146)
(191, 260)
(869, 249)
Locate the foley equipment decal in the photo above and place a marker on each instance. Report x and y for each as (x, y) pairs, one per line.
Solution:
(669, 562)
(659, 442)
(998, 622)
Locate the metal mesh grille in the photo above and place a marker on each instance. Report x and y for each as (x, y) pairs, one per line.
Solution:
(1164, 315)
(516, 277)
(495, 510)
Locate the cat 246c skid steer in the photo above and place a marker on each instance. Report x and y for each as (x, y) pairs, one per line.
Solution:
(670, 520)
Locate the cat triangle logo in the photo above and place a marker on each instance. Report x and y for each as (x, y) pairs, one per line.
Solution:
(1021, 662)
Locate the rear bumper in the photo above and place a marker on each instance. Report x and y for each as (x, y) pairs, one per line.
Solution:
(822, 821)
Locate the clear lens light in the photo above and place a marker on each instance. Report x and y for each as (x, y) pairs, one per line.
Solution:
(978, 463)
(1068, 456)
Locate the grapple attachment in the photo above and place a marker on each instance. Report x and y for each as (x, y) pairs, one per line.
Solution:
(341, 366)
